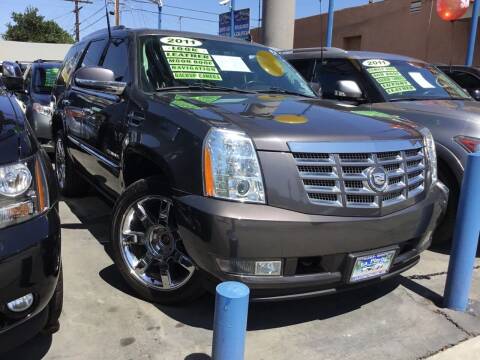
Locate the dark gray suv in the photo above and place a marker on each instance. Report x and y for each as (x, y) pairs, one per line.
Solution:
(225, 166)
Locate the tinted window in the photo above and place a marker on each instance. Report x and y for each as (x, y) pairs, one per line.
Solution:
(304, 67)
(330, 71)
(94, 53)
(465, 80)
(116, 59)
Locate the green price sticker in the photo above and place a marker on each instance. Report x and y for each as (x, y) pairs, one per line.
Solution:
(51, 77)
(196, 76)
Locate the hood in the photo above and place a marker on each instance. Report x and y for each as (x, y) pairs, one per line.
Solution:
(274, 120)
(15, 140)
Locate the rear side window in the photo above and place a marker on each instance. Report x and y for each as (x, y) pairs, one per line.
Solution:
(94, 53)
(304, 67)
(116, 59)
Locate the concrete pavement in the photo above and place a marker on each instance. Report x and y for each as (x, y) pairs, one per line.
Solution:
(103, 319)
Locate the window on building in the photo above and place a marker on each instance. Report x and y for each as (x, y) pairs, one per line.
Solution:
(116, 59)
(352, 42)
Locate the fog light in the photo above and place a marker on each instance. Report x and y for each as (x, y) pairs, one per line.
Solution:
(21, 304)
(250, 267)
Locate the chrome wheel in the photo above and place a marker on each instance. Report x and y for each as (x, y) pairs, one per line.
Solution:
(150, 246)
(60, 167)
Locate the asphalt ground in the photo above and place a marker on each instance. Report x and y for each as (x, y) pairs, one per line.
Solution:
(103, 319)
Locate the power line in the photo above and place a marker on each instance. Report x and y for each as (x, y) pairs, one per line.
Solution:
(177, 7)
(175, 15)
(93, 23)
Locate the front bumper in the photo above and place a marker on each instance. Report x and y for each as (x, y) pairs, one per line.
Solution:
(29, 263)
(214, 229)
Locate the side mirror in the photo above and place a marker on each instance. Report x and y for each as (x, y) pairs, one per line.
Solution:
(348, 89)
(316, 87)
(12, 76)
(99, 79)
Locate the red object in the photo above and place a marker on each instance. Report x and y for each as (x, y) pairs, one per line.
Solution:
(450, 10)
(469, 143)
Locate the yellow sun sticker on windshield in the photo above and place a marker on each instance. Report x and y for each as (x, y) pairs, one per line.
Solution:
(270, 64)
(191, 63)
(391, 80)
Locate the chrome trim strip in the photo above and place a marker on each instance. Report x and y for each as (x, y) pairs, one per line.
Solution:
(369, 146)
(93, 153)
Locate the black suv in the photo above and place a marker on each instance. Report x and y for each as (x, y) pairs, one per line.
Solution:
(40, 77)
(31, 286)
(224, 165)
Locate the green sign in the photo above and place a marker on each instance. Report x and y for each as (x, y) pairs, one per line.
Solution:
(391, 80)
(50, 77)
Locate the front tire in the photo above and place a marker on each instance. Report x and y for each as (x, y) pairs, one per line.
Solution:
(147, 248)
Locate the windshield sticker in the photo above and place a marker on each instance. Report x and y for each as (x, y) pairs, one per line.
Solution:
(180, 41)
(420, 80)
(376, 63)
(51, 77)
(191, 63)
(231, 63)
(391, 80)
(270, 64)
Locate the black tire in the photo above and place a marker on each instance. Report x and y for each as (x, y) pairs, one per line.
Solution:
(55, 307)
(70, 183)
(134, 193)
(444, 232)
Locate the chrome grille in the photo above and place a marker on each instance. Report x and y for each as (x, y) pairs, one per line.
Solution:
(341, 179)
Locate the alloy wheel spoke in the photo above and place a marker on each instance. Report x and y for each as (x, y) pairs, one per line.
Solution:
(184, 261)
(143, 216)
(143, 264)
(164, 212)
(133, 238)
(166, 278)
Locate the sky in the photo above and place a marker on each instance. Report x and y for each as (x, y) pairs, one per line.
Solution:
(139, 13)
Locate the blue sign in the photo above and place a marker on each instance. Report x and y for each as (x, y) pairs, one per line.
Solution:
(242, 24)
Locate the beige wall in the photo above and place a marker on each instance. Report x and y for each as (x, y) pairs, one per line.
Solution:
(28, 51)
(389, 26)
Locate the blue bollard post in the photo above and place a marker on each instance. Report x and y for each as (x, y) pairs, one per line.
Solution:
(331, 12)
(465, 240)
(230, 321)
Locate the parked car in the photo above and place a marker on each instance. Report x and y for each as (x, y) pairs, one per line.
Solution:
(31, 285)
(14, 80)
(468, 77)
(405, 87)
(40, 77)
(225, 166)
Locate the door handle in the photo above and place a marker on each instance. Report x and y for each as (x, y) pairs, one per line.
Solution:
(135, 118)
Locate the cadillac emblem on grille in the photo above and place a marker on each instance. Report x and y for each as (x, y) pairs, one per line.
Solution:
(377, 178)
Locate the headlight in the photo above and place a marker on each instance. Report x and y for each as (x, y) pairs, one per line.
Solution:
(431, 153)
(41, 109)
(23, 191)
(230, 167)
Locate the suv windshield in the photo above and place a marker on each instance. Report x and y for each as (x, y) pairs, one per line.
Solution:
(168, 62)
(44, 78)
(407, 80)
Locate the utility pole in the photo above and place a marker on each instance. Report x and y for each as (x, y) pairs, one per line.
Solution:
(77, 15)
(159, 3)
(117, 12)
(278, 23)
(232, 18)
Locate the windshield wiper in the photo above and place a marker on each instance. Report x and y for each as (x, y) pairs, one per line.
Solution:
(277, 90)
(204, 87)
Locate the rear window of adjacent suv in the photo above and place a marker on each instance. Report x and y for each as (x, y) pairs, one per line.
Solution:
(177, 61)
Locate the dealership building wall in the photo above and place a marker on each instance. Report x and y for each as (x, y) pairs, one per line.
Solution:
(407, 27)
(29, 51)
